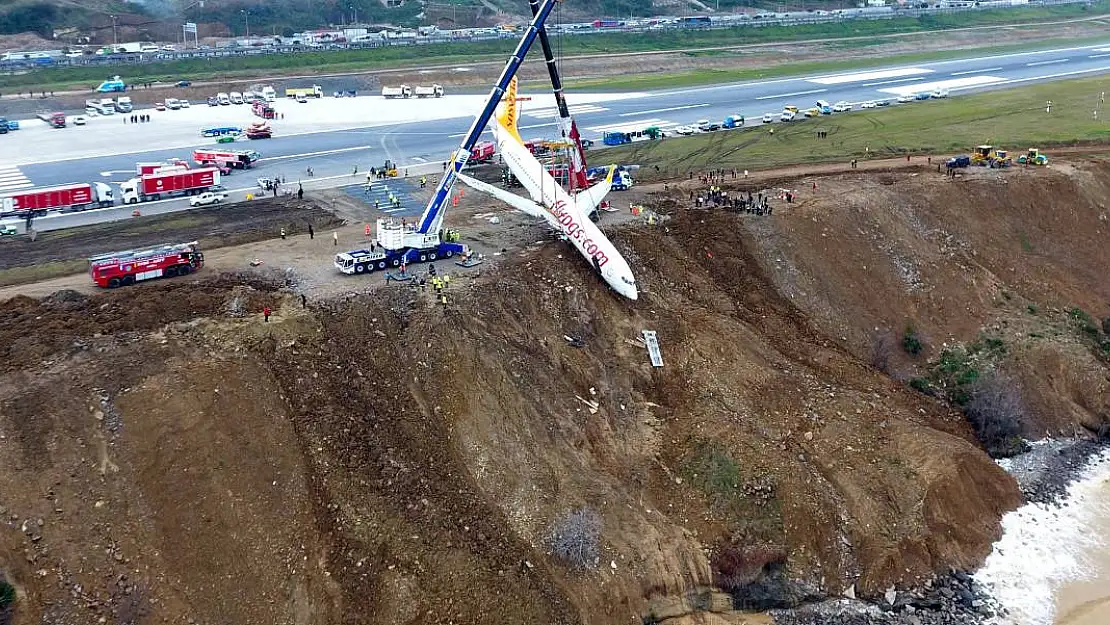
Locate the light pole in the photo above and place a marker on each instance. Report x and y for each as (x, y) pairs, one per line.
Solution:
(247, 22)
(115, 32)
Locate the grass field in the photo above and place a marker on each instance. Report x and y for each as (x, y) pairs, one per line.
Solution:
(391, 57)
(1014, 118)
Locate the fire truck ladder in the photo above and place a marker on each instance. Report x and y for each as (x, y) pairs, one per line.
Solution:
(433, 214)
(127, 255)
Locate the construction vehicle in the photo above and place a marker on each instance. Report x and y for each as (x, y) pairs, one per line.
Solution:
(65, 198)
(403, 242)
(434, 91)
(958, 162)
(404, 91)
(56, 119)
(315, 91)
(983, 155)
(169, 183)
(389, 168)
(116, 269)
(1033, 157)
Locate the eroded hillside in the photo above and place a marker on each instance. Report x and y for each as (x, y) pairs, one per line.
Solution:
(384, 459)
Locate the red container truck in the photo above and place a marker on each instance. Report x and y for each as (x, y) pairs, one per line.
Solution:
(68, 197)
(57, 120)
(122, 268)
(156, 186)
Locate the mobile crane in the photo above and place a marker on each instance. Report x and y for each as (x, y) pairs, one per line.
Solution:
(403, 243)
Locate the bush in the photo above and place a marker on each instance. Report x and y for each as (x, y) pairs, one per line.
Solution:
(996, 412)
(7, 594)
(912, 342)
(1106, 325)
(575, 538)
(882, 351)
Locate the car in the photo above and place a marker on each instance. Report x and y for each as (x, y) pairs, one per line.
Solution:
(787, 116)
(207, 199)
(212, 101)
(159, 106)
(173, 104)
(812, 112)
(705, 125)
(882, 102)
(184, 104)
(939, 93)
(870, 104)
(80, 120)
(791, 108)
(902, 99)
(183, 83)
(768, 118)
(301, 99)
(226, 139)
(684, 130)
(924, 95)
(842, 106)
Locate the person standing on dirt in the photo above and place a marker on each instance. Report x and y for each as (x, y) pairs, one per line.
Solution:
(266, 313)
(335, 238)
(283, 234)
(300, 192)
(311, 233)
(304, 301)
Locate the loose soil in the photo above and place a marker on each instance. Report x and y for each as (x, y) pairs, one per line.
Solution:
(379, 457)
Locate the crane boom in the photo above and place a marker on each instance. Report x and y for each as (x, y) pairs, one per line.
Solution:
(433, 214)
(577, 179)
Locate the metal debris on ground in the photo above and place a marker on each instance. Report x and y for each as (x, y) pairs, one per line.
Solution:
(574, 341)
(652, 343)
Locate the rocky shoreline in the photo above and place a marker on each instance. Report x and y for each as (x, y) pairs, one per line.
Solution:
(1043, 474)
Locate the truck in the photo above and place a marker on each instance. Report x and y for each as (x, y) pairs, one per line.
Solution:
(622, 179)
(123, 104)
(236, 97)
(56, 119)
(263, 110)
(315, 91)
(116, 269)
(69, 197)
(150, 167)
(176, 181)
(398, 245)
(434, 91)
(259, 130)
(733, 121)
(269, 94)
(237, 159)
(482, 153)
(404, 91)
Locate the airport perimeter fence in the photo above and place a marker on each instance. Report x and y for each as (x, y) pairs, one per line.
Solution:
(723, 22)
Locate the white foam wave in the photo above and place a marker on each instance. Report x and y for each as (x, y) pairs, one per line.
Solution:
(1042, 547)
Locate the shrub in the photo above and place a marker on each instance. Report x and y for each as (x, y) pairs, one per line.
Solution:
(1106, 325)
(7, 594)
(1086, 323)
(882, 351)
(575, 538)
(735, 567)
(996, 412)
(912, 342)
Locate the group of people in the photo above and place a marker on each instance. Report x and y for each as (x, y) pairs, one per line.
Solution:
(759, 204)
(135, 119)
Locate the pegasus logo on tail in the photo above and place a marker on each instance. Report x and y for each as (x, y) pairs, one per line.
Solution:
(507, 116)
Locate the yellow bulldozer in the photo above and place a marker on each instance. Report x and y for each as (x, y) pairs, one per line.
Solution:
(1033, 157)
(988, 156)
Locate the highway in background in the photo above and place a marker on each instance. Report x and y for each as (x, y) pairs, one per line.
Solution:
(333, 153)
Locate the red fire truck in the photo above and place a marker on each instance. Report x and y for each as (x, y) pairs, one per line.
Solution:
(168, 183)
(128, 267)
(263, 110)
(238, 159)
(63, 198)
(482, 153)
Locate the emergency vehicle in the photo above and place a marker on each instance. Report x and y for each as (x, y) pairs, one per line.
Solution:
(116, 269)
(236, 159)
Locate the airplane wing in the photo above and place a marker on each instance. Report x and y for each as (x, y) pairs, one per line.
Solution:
(587, 200)
(522, 204)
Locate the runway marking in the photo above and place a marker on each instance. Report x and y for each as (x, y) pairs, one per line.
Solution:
(956, 83)
(654, 111)
(875, 75)
(1034, 64)
(12, 179)
(631, 126)
(977, 71)
(1104, 68)
(891, 82)
(1098, 56)
(575, 109)
(322, 153)
(790, 95)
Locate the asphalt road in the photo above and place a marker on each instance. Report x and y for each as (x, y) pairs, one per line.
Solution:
(337, 152)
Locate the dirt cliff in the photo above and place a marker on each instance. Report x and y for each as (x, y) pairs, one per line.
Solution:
(382, 458)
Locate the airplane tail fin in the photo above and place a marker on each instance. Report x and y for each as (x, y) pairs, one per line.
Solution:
(587, 200)
(507, 115)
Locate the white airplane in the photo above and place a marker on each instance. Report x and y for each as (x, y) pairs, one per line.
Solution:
(552, 203)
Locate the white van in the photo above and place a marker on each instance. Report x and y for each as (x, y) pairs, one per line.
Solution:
(236, 97)
(222, 98)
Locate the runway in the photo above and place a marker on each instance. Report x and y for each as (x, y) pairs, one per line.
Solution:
(333, 136)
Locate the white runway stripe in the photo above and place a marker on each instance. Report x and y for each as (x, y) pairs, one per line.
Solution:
(552, 111)
(12, 179)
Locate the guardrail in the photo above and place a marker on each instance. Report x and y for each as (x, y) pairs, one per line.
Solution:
(720, 23)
